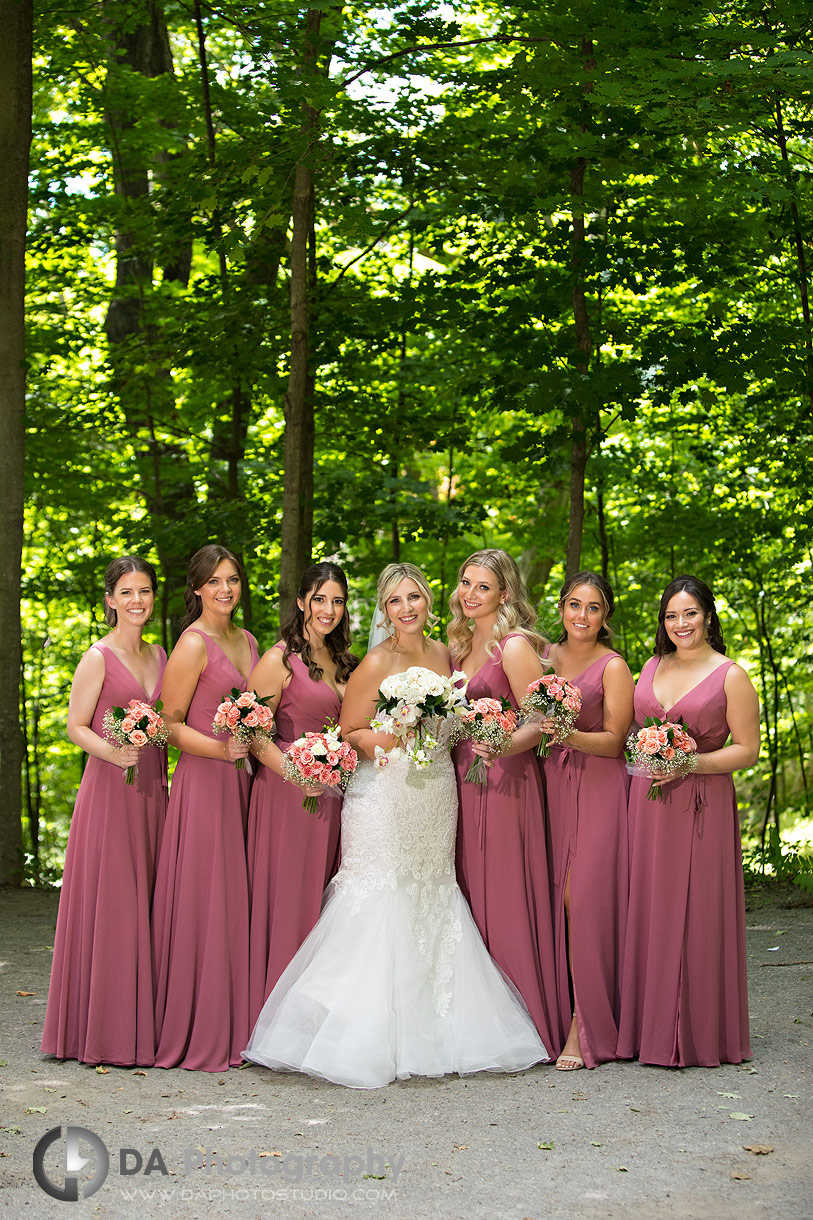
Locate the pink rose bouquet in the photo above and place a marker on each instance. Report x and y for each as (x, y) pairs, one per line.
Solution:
(245, 715)
(492, 721)
(319, 759)
(557, 699)
(661, 748)
(137, 724)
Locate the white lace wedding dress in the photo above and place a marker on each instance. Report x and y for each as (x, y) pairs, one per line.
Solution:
(394, 980)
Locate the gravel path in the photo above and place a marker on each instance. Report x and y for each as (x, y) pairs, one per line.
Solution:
(621, 1141)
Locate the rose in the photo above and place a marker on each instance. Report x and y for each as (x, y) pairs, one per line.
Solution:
(138, 738)
(252, 720)
(246, 699)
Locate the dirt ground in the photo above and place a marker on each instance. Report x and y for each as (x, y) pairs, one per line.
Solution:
(729, 1143)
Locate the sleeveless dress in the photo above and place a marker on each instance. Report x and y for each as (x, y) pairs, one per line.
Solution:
(502, 865)
(394, 980)
(200, 910)
(587, 821)
(292, 854)
(100, 1000)
(685, 991)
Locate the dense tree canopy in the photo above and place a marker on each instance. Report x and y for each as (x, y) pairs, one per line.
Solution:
(406, 280)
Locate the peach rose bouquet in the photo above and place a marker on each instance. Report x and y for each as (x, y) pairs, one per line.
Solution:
(660, 749)
(138, 724)
(245, 715)
(319, 759)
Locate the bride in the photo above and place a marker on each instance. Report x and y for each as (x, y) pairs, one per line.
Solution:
(394, 980)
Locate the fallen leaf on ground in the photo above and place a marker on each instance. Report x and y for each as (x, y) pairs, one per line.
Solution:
(739, 1175)
(35, 1110)
(460, 1147)
(102, 1070)
(622, 1169)
(139, 1073)
(758, 1149)
(26, 993)
(546, 1147)
(742, 1117)
(595, 1144)
(728, 1094)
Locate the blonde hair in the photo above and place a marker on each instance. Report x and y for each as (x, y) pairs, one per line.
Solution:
(514, 615)
(390, 579)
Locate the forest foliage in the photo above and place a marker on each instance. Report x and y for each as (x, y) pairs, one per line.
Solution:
(406, 280)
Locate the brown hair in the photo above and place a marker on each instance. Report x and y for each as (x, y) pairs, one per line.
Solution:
(605, 592)
(293, 629)
(113, 574)
(201, 566)
(700, 590)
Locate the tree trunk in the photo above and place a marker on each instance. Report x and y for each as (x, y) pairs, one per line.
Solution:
(297, 487)
(140, 42)
(16, 51)
(579, 444)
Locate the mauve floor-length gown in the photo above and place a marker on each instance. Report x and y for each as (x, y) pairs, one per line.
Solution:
(292, 854)
(502, 865)
(200, 910)
(685, 990)
(587, 821)
(100, 1000)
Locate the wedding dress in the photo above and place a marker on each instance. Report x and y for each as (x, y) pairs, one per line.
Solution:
(395, 980)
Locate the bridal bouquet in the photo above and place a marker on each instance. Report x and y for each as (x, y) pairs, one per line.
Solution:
(406, 702)
(554, 698)
(661, 748)
(137, 724)
(319, 759)
(492, 721)
(245, 715)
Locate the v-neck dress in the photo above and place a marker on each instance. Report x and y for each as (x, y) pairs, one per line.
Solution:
(200, 911)
(587, 821)
(100, 1000)
(685, 990)
(502, 864)
(292, 854)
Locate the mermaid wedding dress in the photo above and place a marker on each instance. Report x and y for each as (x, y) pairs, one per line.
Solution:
(394, 980)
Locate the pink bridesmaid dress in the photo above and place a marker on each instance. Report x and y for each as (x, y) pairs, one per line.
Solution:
(200, 911)
(100, 1000)
(502, 865)
(685, 990)
(587, 821)
(292, 854)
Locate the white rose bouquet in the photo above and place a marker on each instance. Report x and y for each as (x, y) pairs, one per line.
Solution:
(407, 702)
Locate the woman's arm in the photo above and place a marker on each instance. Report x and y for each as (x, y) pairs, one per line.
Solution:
(359, 704)
(181, 677)
(85, 690)
(269, 677)
(742, 715)
(619, 689)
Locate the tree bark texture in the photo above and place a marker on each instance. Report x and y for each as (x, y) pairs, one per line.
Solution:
(16, 50)
(581, 319)
(166, 483)
(297, 487)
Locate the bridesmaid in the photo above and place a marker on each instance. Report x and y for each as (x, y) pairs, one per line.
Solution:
(586, 788)
(200, 915)
(100, 1001)
(502, 865)
(293, 854)
(684, 996)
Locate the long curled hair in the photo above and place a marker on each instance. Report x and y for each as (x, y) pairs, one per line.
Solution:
(113, 574)
(294, 629)
(202, 566)
(515, 614)
(605, 595)
(388, 582)
(698, 589)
